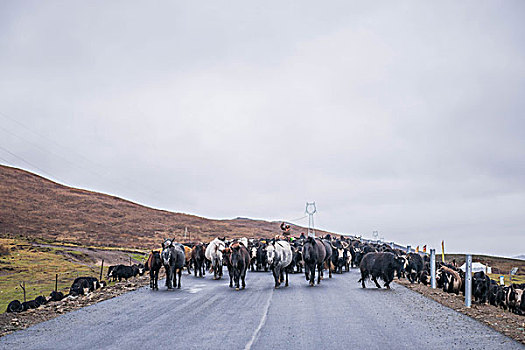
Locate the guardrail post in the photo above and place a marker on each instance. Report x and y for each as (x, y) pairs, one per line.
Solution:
(433, 268)
(468, 280)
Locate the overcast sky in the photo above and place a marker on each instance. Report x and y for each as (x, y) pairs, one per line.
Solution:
(401, 117)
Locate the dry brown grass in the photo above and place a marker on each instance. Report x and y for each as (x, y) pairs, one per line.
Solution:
(500, 265)
(33, 206)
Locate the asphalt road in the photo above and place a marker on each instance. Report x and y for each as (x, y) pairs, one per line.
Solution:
(206, 314)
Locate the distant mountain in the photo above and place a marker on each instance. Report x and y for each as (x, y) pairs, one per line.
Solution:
(32, 206)
(521, 257)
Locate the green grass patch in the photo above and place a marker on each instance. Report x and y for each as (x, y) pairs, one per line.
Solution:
(515, 279)
(40, 240)
(37, 267)
(139, 257)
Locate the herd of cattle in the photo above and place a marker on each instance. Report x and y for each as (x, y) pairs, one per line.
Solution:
(80, 286)
(283, 255)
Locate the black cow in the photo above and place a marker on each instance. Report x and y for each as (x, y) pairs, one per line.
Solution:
(367, 248)
(414, 266)
(501, 297)
(339, 256)
(314, 254)
(81, 284)
(425, 278)
(15, 306)
(198, 259)
(111, 274)
(493, 292)
(356, 256)
(379, 265)
(297, 260)
(56, 296)
(262, 258)
(122, 271)
(141, 269)
(41, 300)
(31, 304)
(480, 287)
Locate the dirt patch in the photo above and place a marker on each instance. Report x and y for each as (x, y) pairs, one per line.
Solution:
(505, 322)
(92, 256)
(11, 322)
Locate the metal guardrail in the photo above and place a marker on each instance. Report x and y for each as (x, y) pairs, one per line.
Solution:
(433, 284)
(433, 268)
(468, 280)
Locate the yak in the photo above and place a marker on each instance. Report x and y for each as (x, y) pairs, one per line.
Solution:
(379, 265)
(480, 287)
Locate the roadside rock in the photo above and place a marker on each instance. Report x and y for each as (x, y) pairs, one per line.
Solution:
(13, 322)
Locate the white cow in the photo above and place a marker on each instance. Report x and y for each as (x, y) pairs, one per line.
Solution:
(279, 257)
(214, 254)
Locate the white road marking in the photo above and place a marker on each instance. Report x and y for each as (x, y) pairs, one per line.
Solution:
(261, 324)
(197, 288)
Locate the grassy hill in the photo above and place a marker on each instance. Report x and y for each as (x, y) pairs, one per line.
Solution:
(34, 207)
(500, 266)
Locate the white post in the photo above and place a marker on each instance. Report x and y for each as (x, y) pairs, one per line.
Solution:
(433, 268)
(468, 280)
(311, 210)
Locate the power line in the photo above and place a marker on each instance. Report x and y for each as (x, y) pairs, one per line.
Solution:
(302, 217)
(74, 165)
(5, 160)
(29, 163)
(38, 147)
(114, 182)
(77, 154)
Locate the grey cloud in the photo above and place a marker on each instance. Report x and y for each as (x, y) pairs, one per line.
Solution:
(403, 117)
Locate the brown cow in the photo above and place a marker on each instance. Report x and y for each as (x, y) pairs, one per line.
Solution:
(187, 255)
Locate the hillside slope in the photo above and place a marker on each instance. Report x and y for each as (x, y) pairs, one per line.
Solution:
(32, 206)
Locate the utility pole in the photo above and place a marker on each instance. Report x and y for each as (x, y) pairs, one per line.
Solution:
(185, 233)
(310, 210)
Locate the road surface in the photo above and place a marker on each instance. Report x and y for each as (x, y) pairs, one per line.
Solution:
(206, 314)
